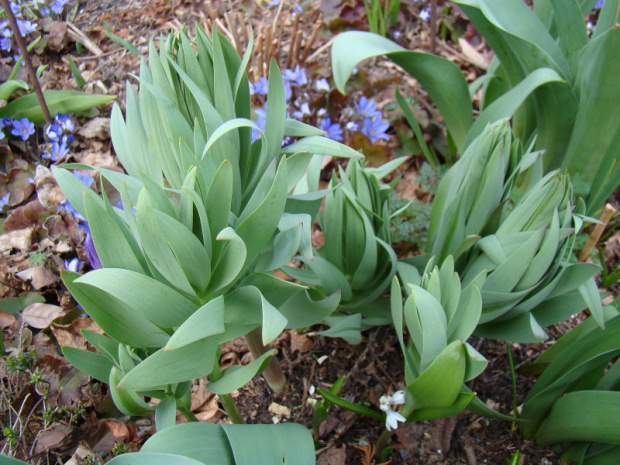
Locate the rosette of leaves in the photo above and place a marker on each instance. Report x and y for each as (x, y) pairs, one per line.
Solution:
(531, 282)
(574, 407)
(440, 314)
(471, 195)
(206, 215)
(356, 257)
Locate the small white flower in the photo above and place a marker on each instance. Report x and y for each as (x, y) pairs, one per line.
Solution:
(391, 417)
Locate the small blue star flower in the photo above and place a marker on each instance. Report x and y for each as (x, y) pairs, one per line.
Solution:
(374, 129)
(73, 265)
(23, 128)
(296, 77)
(334, 131)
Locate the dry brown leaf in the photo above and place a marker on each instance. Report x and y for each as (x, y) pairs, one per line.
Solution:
(48, 192)
(83, 454)
(6, 320)
(20, 239)
(40, 316)
(96, 128)
(71, 335)
(301, 343)
(39, 276)
(52, 438)
(57, 37)
(333, 456)
(25, 216)
(108, 433)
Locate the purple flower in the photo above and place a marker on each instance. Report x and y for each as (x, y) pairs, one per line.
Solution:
(91, 253)
(296, 77)
(297, 10)
(22, 128)
(367, 107)
(599, 4)
(84, 177)
(73, 265)
(374, 129)
(425, 14)
(15, 8)
(26, 27)
(287, 91)
(334, 131)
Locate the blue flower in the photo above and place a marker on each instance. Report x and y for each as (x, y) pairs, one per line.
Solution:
(297, 10)
(26, 27)
(261, 86)
(6, 44)
(84, 177)
(334, 131)
(374, 129)
(73, 265)
(65, 122)
(296, 77)
(367, 107)
(4, 201)
(55, 151)
(304, 110)
(58, 6)
(425, 14)
(53, 132)
(261, 121)
(599, 4)
(23, 128)
(322, 85)
(69, 209)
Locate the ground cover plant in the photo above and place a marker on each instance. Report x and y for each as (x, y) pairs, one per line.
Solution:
(251, 208)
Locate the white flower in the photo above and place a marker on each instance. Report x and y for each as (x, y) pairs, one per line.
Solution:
(391, 417)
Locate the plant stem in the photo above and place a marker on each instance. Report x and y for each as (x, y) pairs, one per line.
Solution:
(513, 379)
(383, 440)
(23, 48)
(231, 409)
(273, 373)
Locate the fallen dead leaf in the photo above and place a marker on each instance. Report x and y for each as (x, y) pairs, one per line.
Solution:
(51, 439)
(48, 192)
(25, 216)
(57, 36)
(96, 128)
(333, 456)
(482, 61)
(108, 433)
(280, 410)
(6, 319)
(71, 334)
(39, 276)
(301, 343)
(20, 239)
(40, 316)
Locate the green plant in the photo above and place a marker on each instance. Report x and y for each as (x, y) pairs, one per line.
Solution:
(207, 216)
(548, 75)
(356, 258)
(381, 16)
(206, 443)
(571, 117)
(575, 404)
